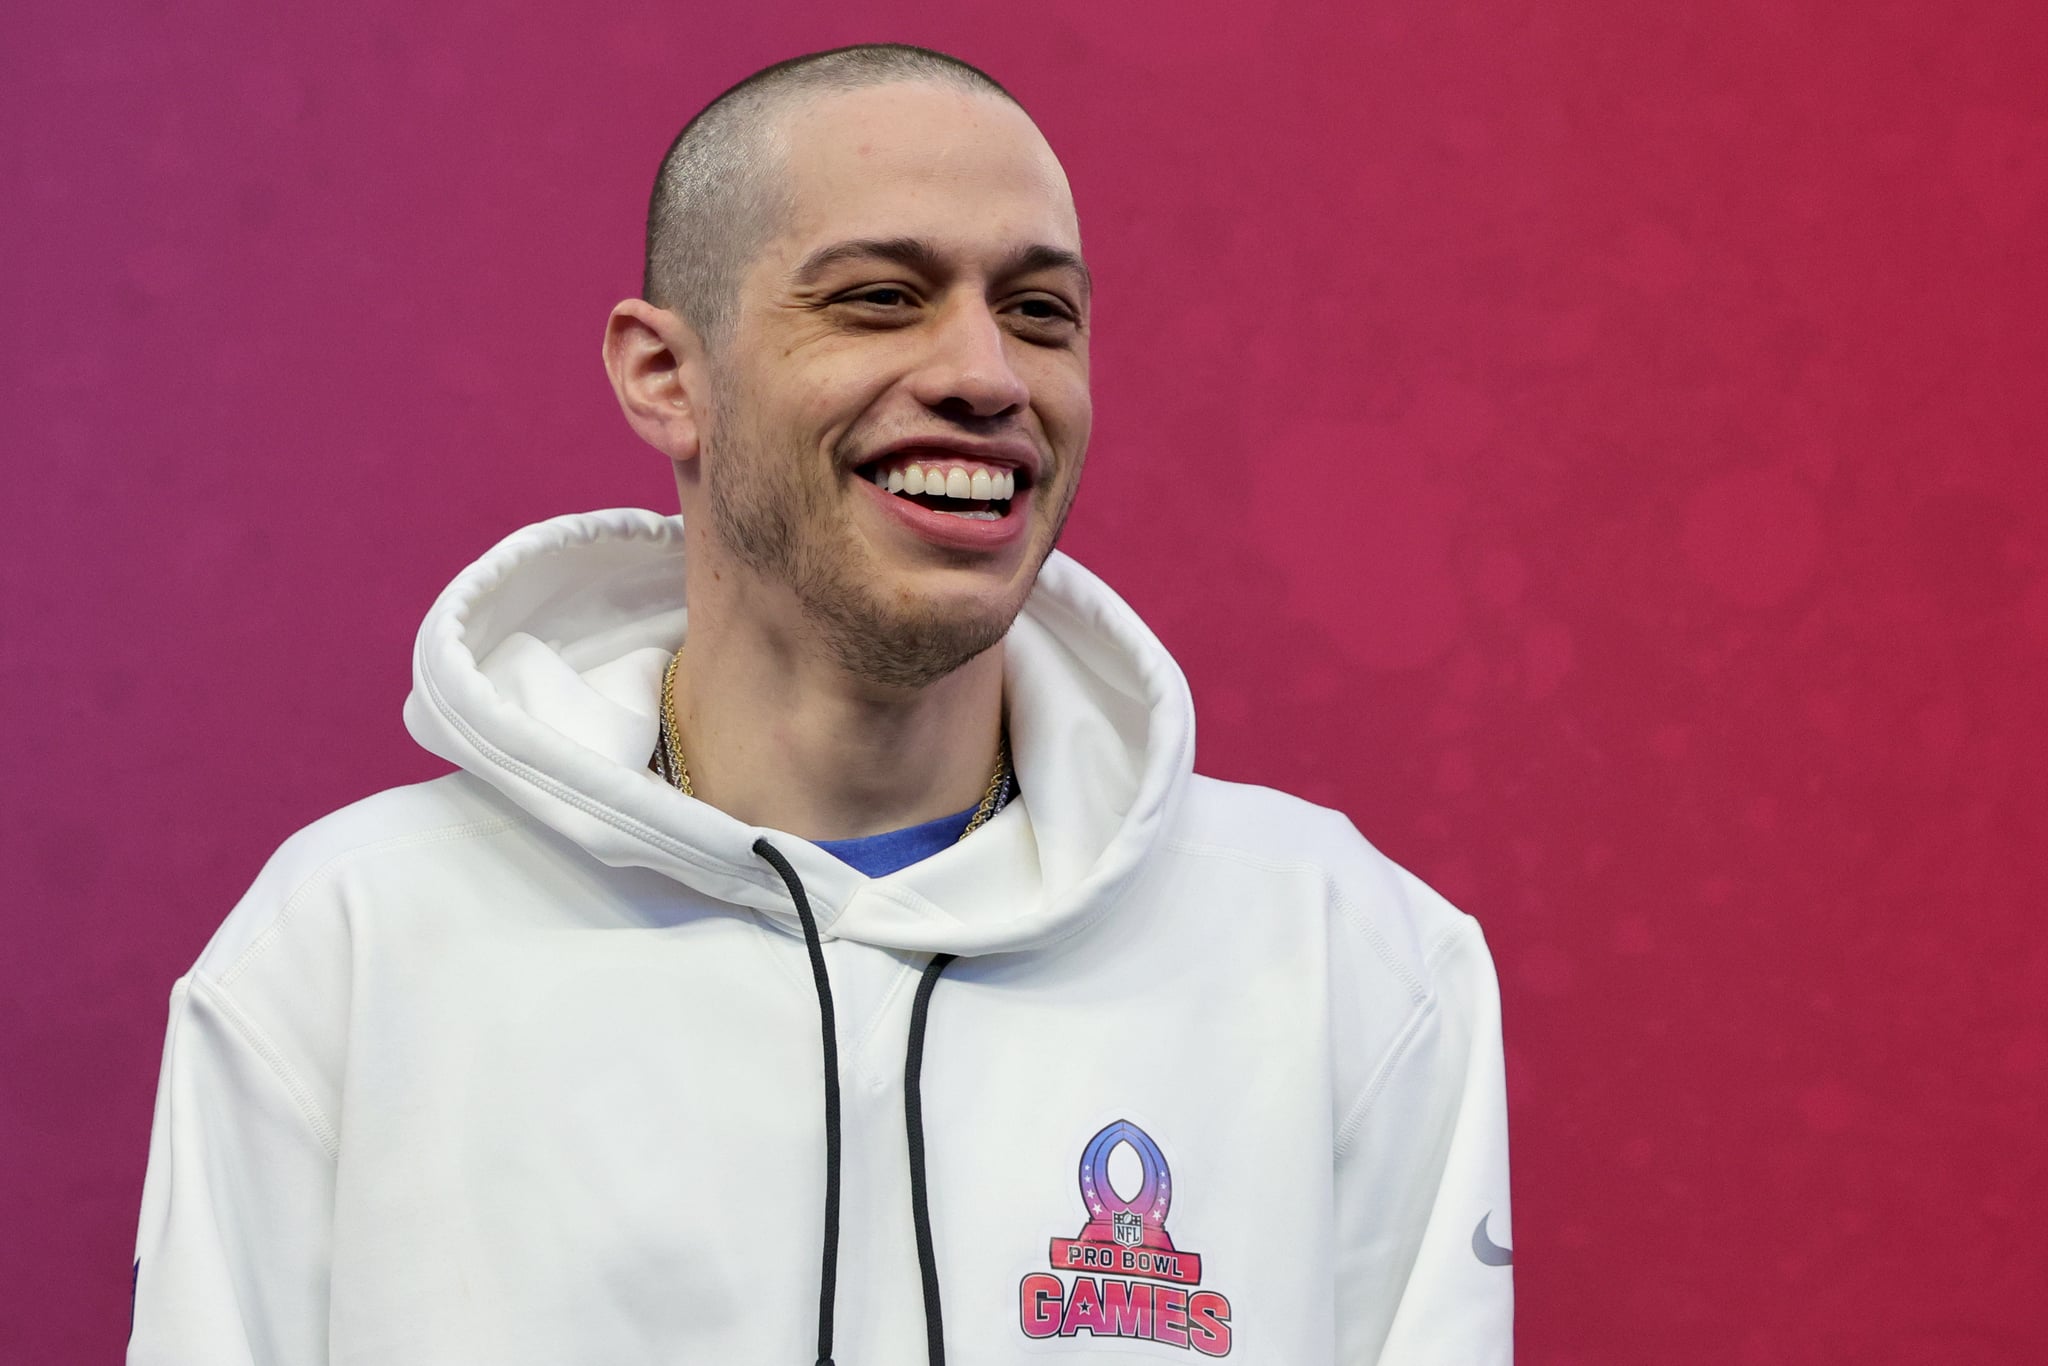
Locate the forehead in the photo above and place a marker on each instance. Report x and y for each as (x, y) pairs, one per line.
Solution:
(960, 168)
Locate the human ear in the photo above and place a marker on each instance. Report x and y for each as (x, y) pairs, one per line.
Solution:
(655, 361)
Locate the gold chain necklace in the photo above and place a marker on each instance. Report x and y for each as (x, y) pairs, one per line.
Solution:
(669, 763)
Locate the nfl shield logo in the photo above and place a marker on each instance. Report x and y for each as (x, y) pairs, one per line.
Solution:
(1127, 1228)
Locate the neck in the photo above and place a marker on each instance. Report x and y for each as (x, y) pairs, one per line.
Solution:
(777, 735)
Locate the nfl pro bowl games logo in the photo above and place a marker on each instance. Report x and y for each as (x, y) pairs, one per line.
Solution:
(1122, 1275)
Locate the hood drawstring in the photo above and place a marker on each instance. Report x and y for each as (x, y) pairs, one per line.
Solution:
(913, 1117)
(913, 1124)
(828, 1278)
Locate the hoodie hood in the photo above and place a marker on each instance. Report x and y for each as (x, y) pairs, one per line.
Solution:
(538, 670)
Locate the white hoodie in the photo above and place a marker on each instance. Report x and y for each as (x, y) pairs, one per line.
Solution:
(523, 1065)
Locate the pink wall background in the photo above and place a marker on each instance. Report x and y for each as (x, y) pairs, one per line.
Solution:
(1597, 445)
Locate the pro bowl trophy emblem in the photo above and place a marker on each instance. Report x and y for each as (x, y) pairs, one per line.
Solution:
(1129, 1280)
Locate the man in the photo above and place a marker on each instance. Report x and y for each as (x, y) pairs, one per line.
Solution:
(913, 996)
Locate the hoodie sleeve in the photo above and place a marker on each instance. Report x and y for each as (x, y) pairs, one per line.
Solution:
(232, 1252)
(1422, 1183)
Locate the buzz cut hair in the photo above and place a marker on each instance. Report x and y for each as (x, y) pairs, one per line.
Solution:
(721, 193)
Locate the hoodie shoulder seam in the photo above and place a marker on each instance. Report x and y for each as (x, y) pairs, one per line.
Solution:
(323, 1129)
(1353, 1122)
(320, 875)
(1453, 936)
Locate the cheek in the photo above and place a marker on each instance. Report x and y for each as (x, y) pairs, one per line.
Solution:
(844, 398)
(1066, 409)
(794, 391)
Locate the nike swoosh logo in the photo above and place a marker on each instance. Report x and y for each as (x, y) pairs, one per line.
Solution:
(1487, 1250)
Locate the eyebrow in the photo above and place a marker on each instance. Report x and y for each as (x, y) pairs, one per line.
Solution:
(923, 255)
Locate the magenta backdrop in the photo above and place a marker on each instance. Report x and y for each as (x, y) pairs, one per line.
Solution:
(1596, 445)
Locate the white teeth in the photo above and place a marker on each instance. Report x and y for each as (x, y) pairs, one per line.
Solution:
(979, 515)
(983, 485)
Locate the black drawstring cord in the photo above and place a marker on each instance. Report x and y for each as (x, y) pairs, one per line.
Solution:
(829, 1277)
(913, 1123)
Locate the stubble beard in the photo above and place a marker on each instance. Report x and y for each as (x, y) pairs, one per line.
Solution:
(782, 527)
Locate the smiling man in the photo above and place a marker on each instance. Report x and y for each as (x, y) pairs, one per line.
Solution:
(825, 951)
(876, 400)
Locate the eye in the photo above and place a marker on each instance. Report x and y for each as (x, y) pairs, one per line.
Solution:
(880, 296)
(1044, 317)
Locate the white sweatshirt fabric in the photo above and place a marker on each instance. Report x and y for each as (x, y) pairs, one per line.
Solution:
(522, 1065)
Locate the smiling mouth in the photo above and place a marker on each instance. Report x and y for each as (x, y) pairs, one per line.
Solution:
(969, 489)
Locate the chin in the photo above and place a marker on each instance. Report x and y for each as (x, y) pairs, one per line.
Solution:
(908, 642)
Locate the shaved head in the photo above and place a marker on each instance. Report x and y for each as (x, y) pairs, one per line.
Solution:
(720, 194)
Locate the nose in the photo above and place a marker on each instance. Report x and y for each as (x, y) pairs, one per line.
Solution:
(967, 372)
